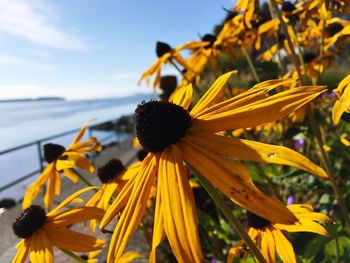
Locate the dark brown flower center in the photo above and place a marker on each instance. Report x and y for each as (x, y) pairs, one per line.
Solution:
(160, 124)
(334, 28)
(30, 221)
(141, 154)
(162, 48)
(209, 38)
(110, 170)
(256, 221)
(309, 56)
(288, 7)
(167, 85)
(52, 152)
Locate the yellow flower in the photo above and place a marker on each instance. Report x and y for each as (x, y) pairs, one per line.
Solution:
(343, 103)
(113, 176)
(41, 231)
(268, 237)
(248, 9)
(61, 159)
(336, 28)
(173, 135)
(166, 54)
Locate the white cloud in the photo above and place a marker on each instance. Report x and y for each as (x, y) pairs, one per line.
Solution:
(34, 21)
(9, 60)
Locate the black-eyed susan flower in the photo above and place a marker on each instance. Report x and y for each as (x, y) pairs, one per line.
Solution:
(173, 135)
(166, 54)
(61, 160)
(336, 28)
(343, 103)
(41, 232)
(270, 239)
(113, 176)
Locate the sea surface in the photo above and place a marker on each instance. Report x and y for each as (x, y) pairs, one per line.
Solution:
(27, 121)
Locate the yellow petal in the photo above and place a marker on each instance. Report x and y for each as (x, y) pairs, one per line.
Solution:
(64, 164)
(50, 192)
(183, 96)
(22, 251)
(250, 115)
(256, 151)
(304, 226)
(179, 211)
(109, 190)
(235, 251)
(130, 172)
(80, 134)
(158, 227)
(94, 200)
(268, 246)
(80, 161)
(76, 215)
(71, 175)
(258, 92)
(284, 248)
(40, 248)
(71, 240)
(211, 94)
(343, 104)
(119, 203)
(69, 199)
(344, 140)
(129, 257)
(90, 145)
(224, 175)
(134, 209)
(34, 189)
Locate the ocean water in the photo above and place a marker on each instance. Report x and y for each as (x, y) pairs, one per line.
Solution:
(27, 121)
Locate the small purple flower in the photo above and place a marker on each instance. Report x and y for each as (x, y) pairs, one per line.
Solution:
(299, 144)
(290, 200)
(213, 260)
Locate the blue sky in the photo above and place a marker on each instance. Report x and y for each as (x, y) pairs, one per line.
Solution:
(95, 48)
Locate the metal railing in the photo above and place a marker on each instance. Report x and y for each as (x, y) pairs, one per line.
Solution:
(39, 144)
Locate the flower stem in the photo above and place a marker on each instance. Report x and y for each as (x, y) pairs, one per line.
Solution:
(250, 63)
(313, 123)
(220, 203)
(72, 255)
(81, 177)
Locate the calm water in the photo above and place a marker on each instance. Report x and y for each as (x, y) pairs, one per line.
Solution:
(23, 122)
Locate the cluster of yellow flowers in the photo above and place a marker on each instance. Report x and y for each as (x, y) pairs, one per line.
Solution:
(192, 135)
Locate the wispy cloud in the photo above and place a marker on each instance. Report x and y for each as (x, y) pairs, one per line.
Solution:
(9, 60)
(34, 21)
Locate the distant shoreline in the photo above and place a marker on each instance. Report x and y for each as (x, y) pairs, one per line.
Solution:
(33, 99)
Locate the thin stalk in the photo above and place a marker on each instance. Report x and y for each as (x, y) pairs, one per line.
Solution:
(337, 252)
(220, 203)
(313, 123)
(250, 63)
(72, 255)
(81, 177)
(290, 43)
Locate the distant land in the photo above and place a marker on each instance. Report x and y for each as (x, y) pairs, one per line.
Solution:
(33, 99)
(126, 99)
